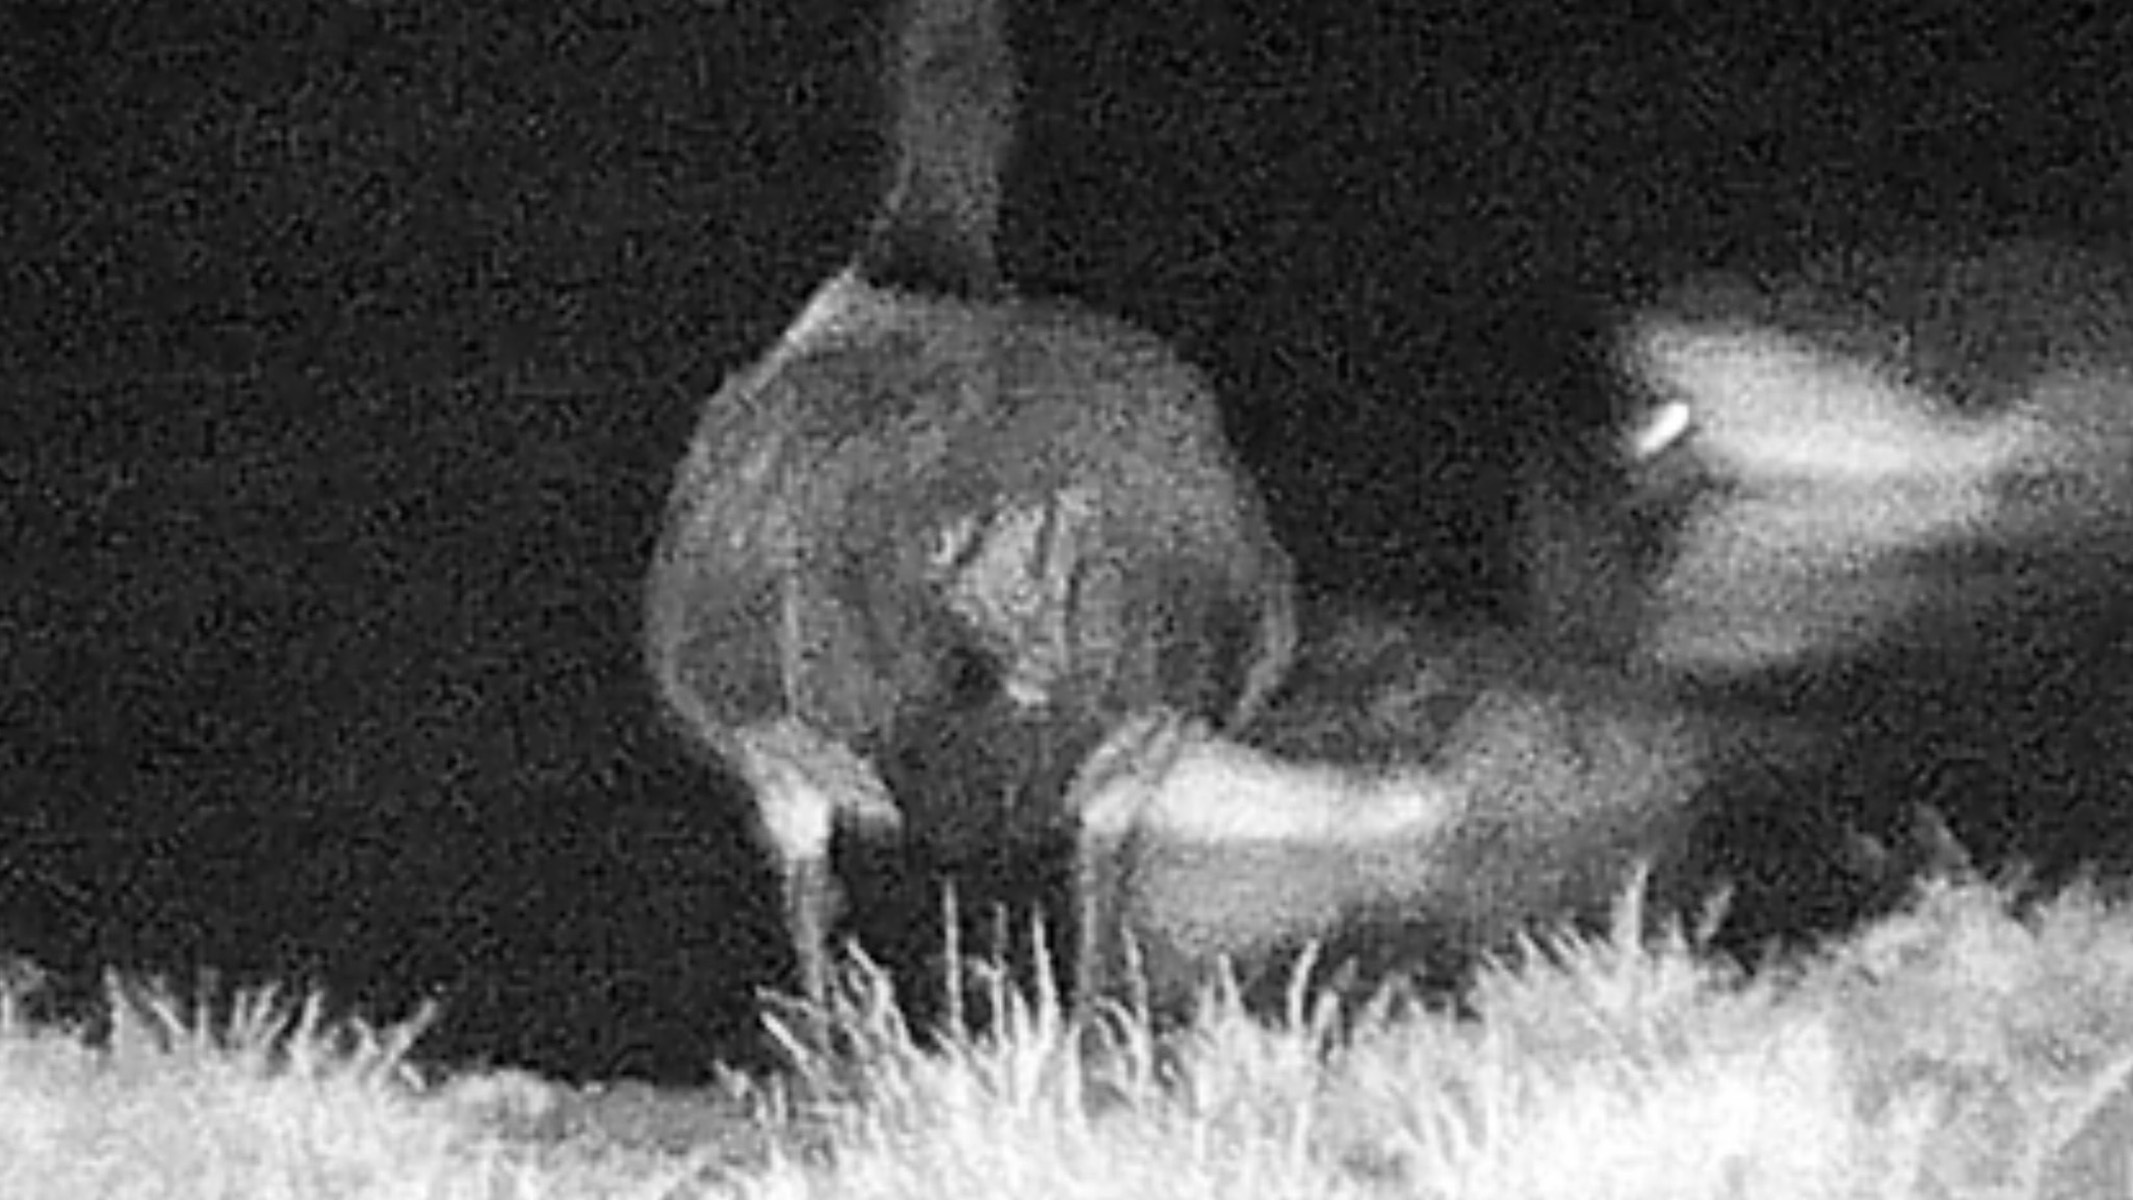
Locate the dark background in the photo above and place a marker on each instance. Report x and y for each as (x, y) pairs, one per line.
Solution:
(348, 349)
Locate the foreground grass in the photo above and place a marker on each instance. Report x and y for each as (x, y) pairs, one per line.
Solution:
(1952, 1051)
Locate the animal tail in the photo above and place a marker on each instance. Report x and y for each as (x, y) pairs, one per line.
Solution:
(952, 85)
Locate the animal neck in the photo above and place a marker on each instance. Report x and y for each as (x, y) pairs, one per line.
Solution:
(952, 84)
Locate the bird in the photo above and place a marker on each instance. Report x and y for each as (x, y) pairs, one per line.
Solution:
(1490, 784)
(1892, 491)
(941, 537)
(1847, 439)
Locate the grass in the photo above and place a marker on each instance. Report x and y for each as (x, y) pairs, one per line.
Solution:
(1953, 1050)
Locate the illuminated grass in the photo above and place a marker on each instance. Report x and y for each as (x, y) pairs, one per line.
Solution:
(1952, 1050)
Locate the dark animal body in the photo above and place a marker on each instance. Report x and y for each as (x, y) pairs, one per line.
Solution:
(1895, 500)
(923, 555)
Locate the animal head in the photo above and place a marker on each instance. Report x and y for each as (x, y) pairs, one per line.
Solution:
(1806, 485)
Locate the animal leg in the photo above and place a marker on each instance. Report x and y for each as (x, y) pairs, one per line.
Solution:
(805, 784)
(1106, 801)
